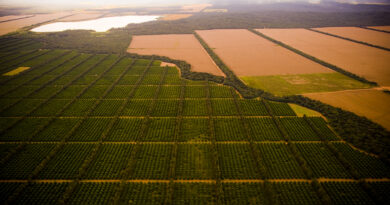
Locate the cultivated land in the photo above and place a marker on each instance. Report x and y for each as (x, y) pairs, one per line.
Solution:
(10, 26)
(250, 55)
(368, 62)
(373, 104)
(13, 17)
(182, 46)
(100, 128)
(382, 28)
(283, 85)
(172, 17)
(83, 16)
(360, 34)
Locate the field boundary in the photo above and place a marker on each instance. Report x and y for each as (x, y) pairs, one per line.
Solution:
(349, 39)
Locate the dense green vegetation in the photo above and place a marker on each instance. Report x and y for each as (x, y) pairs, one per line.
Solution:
(142, 133)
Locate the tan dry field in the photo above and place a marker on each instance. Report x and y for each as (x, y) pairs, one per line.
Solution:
(172, 17)
(82, 17)
(177, 46)
(248, 54)
(360, 34)
(383, 28)
(368, 62)
(194, 8)
(11, 26)
(373, 104)
(12, 17)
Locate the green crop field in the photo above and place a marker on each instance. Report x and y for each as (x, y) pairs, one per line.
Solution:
(80, 128)
(283, 85)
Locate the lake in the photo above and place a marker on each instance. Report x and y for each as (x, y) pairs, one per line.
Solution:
(99, 25)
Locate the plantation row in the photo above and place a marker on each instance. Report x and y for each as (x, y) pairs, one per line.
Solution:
(194, 193)
(160, 129)
(194, 161)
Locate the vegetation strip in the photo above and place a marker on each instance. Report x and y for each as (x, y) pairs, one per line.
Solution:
(348, 39)
(320, 180)
(373, 29)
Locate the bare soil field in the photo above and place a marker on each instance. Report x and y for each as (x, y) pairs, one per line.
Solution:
(383, 28)
(11, 26)
(368, 62)
(360, 34)
(182, 46)
(373, 104)
(250, 55)
(13, 17)
(194, 8)
(172, 17)
(83, 16)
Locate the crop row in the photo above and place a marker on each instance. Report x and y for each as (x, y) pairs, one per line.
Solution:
(191, 193)
(194, 162)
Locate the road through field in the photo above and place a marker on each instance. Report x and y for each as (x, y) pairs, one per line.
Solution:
(368, 62)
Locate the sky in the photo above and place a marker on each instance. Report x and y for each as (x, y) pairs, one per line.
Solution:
(134, 3)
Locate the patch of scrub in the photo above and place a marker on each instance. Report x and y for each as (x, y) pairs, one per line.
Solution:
(283, 85)
(99, 25)
(300, 111)
(16, 71)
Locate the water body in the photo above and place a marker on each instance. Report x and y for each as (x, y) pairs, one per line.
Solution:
(99, 25)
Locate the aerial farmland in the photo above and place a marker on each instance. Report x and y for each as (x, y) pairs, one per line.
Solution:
(187, 104)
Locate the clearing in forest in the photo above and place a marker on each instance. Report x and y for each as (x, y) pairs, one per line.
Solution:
(360, 34)
(172, 17)
(250, 55)
(16, 71)
(11, 26)
(368, 62)
(177, 46)
(373, 104)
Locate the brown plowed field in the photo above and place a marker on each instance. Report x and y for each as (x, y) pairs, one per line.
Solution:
(248, 54)
(383, 28)
(181, 46)
(360, 34)
(11, 26)
(373, 104)
(368, 62)
(12, 17)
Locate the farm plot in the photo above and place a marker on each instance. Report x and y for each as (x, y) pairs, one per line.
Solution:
(250, 55)
(382, 28)
(10, 26)
(372, 104)
(183, 46)
(345, 54)
(360, 34)
(69, 132)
